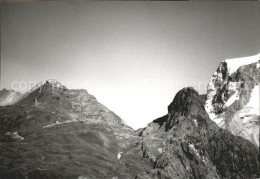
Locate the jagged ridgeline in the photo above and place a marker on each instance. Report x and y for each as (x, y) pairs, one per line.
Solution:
(185, 143)
(55, 132)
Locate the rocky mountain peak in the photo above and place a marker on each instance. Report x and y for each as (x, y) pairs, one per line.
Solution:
(233, 97)
(50, 84)
(53, 97)
(186, 103)
(185, 143)
(184, 100)
(4, 90)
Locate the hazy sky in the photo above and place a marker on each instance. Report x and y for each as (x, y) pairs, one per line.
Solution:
(133, 56)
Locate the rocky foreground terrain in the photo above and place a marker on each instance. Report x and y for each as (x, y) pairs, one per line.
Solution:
(53, 132)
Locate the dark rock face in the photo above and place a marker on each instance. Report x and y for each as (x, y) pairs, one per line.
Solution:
(186, 103)
(203, 98)
(232, 159)
(187, 144)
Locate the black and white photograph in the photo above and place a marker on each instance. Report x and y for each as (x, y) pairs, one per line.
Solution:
(129, 89)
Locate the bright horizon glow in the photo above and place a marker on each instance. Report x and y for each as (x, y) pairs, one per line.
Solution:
(132, 56)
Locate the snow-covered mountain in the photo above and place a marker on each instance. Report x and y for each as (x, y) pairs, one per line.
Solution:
(233, 96)
(9, 97)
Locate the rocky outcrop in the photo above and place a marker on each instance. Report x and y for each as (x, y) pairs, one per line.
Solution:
(233, 97)
(187, 144)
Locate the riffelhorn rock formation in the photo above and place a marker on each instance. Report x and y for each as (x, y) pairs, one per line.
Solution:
(186, 143)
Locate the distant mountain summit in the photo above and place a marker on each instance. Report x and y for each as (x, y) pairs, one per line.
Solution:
(55, 132)
(233, 97)
(51, 95)
(9, 97)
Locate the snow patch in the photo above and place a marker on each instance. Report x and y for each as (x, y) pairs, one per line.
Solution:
(256, 137)
(235, 63)
(41, 85)
(232, 87)
(36, 87)
(203, 159)
(192, 147)
(254, 100)
(17, 136)
(219, 121)
(196, 152)
(119, 155)
(196, 122)
(14, 135)
(252, 107)
(58, 123)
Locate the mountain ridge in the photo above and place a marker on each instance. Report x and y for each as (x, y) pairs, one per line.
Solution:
(193, 145)
(60, 133)
(185, 143)
(55, 132)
